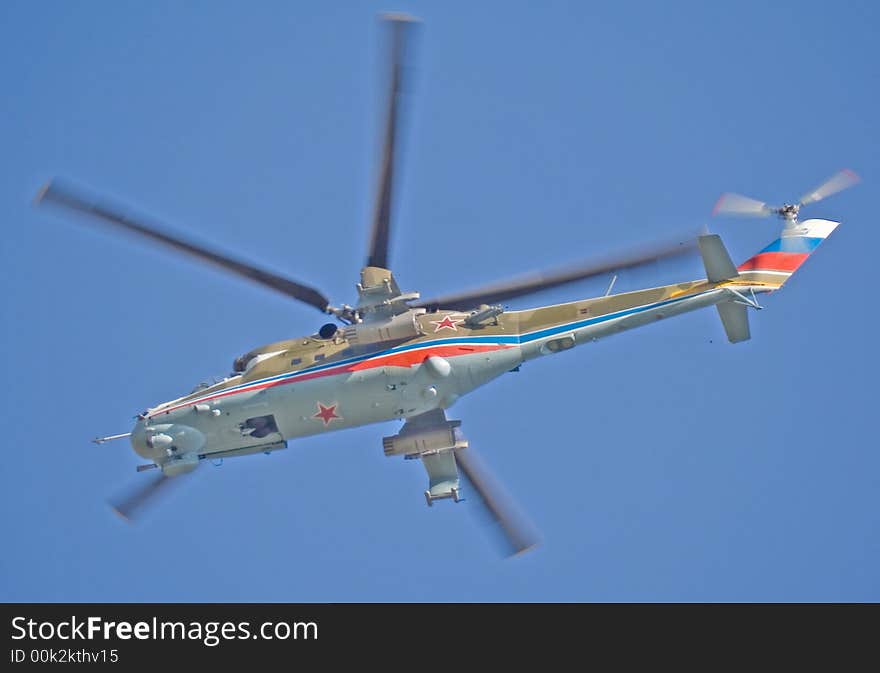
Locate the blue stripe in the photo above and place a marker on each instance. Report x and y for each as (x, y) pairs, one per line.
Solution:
(550, 331)
(496, 339)
(793, 244)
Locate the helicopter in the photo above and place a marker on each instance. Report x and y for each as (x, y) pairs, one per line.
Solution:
(393, 355)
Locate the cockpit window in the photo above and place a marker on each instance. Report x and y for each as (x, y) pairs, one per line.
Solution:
(319, 357)
(214, 380)
(296, 361)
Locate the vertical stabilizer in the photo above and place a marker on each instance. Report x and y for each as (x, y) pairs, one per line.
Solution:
(716, 259)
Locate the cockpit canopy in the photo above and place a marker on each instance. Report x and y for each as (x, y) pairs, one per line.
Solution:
(208, 383)
(328, 332)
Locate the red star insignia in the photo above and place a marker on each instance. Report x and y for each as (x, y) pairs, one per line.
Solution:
(327, 413)
(446, 323)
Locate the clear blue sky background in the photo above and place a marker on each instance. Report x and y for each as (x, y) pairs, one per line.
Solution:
(663, 464)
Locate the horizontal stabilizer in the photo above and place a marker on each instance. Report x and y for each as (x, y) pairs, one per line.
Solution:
(735, 319)
(716, 259)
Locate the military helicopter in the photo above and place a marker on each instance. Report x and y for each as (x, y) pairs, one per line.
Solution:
(395, 356)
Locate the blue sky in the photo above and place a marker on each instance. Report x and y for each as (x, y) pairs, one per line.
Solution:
(663, 464)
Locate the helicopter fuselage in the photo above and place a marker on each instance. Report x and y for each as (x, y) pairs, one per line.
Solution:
(312, 385)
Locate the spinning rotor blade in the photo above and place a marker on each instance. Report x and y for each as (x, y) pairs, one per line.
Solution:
(537, 282)
(837, 182)
(138, 498)
(737, 204)
(518, 535)
(400, 26)
(64, 197)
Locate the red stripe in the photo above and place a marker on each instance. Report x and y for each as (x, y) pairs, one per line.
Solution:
(404, 359)
(410, 358)
(775, 261)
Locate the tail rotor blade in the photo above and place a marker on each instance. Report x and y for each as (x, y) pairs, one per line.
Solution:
(836, 183)
(517, 535)
(737, 204)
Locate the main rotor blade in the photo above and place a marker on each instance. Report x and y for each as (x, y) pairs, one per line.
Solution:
(837, 182)
(518, 535)
(545, 280)
(737, 204)
(64, 197)
(400, 27)
(139, 497)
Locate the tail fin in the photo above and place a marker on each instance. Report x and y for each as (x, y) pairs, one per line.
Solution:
(764, 272)
(778, 261)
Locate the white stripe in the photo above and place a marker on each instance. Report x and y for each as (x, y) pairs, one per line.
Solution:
(773, 273)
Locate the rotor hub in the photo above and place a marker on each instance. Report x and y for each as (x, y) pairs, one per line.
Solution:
(789, 212)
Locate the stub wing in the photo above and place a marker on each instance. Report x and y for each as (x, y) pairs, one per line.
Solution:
(443, 479)
(433, 439)
(443, 450)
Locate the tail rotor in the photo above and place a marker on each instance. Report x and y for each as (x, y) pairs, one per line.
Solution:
(737, 204)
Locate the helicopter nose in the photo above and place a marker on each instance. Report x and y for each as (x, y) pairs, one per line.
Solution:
(153, 441)
(159, 441)
(139, 440)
